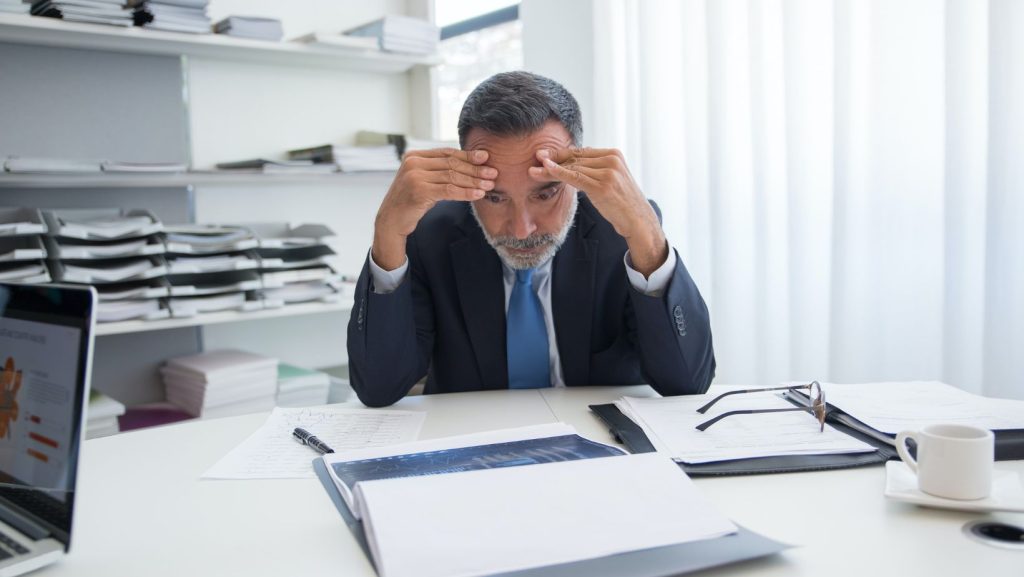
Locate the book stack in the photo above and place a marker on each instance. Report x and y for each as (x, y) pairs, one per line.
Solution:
(21, 246)
(211, 268)
(268, 166)
(111, 12)
(401, 34)
(172, 15)
(221, 383)
(251, 27)
(352, 158)
(402, 142)
(297, 266)
(117, 251)
(338, 41)
(14, 7)
(102, 416)
(299, 387)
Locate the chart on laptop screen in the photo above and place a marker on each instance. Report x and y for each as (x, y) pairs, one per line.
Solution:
(38, 367)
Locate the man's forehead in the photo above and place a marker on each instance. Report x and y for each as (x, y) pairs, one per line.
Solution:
(518, 149)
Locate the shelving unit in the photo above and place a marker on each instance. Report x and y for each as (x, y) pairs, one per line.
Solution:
(198, 178)
(39, 31)
(139, 326)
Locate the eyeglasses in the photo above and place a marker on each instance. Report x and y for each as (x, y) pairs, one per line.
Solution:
(817, 406)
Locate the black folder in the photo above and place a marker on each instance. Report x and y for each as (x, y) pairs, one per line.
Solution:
(655, 562)
(1009, 446)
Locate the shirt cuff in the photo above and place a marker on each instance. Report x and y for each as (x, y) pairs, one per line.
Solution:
(657, 283)
(386, 281)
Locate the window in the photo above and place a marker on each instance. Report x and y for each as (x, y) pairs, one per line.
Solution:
(478, 39)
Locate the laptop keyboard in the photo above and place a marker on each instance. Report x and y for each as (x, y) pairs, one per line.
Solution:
(7, 545)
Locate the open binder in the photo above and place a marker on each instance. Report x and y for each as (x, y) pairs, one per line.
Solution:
(1009, 446)
(655, 562)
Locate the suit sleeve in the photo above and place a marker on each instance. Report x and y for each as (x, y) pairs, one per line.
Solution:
(390, 336)
(673, 335)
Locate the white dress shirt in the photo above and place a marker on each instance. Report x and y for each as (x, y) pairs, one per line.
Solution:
(385, 282)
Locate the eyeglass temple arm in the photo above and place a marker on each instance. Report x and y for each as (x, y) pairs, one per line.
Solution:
(703, 426)
(711, 403)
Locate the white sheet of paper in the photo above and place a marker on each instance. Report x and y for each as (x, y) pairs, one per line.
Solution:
(273, 453)
(670, 424)
(893, 407)
(498, 520)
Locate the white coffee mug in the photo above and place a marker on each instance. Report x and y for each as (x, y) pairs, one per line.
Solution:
(953, 461)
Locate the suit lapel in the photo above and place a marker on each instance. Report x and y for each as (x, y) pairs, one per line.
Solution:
(572, 298)
(478, 279)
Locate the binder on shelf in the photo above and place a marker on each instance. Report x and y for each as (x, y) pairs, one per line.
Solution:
(21, 221)
(250, 27)
(66, 248)
(21, 248)
(101, 224)
(1009, 441)
(108, 271)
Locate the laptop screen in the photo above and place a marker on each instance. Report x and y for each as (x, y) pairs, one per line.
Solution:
(44, 363)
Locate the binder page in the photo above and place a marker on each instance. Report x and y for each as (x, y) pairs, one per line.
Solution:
(507, 519)
(893, 407)
(273, 453)
(671, 422)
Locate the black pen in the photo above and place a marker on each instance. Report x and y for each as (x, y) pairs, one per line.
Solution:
(307, 438)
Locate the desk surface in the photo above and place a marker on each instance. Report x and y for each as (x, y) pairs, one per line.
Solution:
(144, 511)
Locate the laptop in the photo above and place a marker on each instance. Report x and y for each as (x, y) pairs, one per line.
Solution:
(46, 338)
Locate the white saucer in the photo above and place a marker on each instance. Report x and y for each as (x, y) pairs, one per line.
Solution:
(1007, 492)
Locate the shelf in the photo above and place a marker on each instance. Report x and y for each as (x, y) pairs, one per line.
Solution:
(124, 327)
(137, 180)
(40, 31)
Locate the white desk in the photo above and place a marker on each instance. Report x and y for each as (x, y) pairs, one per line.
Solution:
(143, 510)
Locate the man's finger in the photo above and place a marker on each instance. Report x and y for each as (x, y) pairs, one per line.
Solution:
(454, 192)
(471, 156)
(580, 177)
(563, 155)
(445, 163)
(458, 179)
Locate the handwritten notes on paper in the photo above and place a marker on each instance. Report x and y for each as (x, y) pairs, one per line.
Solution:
(272, 453)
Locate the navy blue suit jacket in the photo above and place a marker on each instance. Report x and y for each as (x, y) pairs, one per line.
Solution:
(447, 319)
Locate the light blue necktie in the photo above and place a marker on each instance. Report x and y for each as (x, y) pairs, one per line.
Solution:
(527, 337)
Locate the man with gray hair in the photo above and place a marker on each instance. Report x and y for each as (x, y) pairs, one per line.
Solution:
(523, 261)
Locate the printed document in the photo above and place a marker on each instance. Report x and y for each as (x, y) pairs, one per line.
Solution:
(273, 453)
(670, 423)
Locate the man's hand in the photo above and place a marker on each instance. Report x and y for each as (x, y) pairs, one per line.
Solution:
(603, 174)
(425, 178)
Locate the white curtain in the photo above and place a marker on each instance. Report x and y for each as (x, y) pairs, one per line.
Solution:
(844, 178)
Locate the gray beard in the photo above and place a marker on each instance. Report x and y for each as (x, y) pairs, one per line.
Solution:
(550, 242)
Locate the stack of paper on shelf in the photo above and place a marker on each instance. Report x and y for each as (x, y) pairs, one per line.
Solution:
(172, 15)
(50, 165)
(299, 387)
(251, 27)
(22, 249)
(352, 158)
(267, 166)
(213, 283)
(402, 142)
(198, 250)
(101, 224)
(301, 250)
(145, 167)
(208, 238)
(18, 221)
(14, 6)
(401, 34)
(221, 383)
(102, 415)
(93, 11)
(338, 40)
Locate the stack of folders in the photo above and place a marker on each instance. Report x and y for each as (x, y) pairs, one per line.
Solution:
(54, 165)
(251, 27)
(299, 387)
(221, 383)
(269, 166)
(93, 11)
(569, 504)
(22, 251)
(297, 265)
(118, 251)
(212, 268)
(403, 142)
(102, 416)
(172, 15)
(401, 34)
(351, 158)
(336, 40)
(14, 7)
